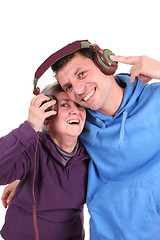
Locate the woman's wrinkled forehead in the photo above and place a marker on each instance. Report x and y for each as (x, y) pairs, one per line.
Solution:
(62, 96)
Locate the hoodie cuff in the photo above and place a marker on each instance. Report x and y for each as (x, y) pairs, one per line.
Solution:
(25, 134)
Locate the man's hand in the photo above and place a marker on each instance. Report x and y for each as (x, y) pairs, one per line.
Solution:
(143, 67)
(8, 193)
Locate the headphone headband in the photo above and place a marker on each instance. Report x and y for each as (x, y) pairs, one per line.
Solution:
(70, 48)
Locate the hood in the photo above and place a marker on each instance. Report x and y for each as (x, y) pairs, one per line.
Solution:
(99, 120)
(132, 91)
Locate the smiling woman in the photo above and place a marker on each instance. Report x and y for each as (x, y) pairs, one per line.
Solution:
(55, 183)
(68, 124)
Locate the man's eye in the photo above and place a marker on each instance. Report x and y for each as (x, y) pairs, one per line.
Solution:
(81, 74)
(68, 88)
(78, 106)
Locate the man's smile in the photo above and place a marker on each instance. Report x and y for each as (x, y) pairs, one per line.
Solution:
(89, 95)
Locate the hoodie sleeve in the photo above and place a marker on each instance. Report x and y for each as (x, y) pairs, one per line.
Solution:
(16, 152)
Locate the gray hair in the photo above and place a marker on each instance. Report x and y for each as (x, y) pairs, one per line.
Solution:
(52, 89)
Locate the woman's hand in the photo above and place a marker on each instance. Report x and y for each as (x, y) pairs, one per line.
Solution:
(37, 114)
(8, 193)
(143, 67)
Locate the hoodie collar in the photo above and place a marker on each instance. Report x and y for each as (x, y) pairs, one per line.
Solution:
(132, 92)
(99, 120)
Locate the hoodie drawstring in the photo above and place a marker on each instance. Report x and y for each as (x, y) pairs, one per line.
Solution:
(122, 131)
(95, 132)
(103, 125)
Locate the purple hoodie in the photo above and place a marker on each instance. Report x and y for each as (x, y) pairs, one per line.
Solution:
(60, 192)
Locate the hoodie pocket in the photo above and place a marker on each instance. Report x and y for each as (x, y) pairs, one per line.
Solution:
(121, 213)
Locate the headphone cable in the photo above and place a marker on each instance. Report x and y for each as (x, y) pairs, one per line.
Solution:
(34, 207)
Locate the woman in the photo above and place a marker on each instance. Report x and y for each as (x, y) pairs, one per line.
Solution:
(52, 168)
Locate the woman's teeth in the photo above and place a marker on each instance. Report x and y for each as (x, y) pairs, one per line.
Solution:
(74, 121)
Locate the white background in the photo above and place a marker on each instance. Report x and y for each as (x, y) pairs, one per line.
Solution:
(30, 31)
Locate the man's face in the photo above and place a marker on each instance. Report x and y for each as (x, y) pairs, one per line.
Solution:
(84, 82)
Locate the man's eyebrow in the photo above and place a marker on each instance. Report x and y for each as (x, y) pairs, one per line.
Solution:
(77, 70)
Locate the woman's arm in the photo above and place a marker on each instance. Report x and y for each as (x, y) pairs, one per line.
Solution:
(18, 147)
(17, 152)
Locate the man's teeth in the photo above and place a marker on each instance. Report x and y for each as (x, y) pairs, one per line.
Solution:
(89, 95)
(76, 121)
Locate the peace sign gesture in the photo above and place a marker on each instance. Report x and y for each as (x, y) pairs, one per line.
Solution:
(143, 67)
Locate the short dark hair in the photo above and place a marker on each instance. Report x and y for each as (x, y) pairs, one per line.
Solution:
(86, 52)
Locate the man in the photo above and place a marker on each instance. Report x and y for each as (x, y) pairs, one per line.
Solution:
(122, 137)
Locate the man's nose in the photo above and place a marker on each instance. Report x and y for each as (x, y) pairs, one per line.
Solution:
(79, 88)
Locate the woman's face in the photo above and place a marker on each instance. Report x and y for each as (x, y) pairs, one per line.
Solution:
(70, 118)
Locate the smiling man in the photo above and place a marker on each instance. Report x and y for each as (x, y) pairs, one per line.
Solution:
(122, 137)
(88, 86)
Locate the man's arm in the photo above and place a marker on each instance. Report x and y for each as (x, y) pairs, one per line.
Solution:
(8, 193)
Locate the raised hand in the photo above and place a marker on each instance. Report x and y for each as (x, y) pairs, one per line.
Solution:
(143, 67)
(37, 111)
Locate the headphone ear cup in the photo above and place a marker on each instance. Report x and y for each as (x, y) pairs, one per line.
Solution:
(104, 63)
(53, 107)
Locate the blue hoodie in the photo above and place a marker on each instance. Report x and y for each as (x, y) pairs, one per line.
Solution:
(124, 174)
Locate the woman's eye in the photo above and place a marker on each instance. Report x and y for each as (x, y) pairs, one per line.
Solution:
(64, 105)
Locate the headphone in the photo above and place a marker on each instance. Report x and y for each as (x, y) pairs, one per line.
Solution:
(101, 59)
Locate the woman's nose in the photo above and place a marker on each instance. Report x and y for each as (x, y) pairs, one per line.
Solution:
(74, 109)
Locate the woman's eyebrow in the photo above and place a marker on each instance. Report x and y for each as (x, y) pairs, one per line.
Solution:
(66, 100)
